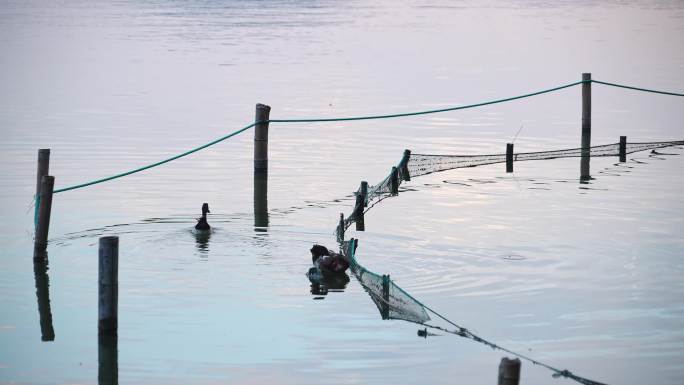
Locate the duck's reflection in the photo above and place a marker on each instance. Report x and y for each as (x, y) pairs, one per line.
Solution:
(40, 268)
(202, 240)
(108, 360)
(321, 284)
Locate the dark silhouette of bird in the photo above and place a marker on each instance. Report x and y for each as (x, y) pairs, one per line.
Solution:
(202, 223)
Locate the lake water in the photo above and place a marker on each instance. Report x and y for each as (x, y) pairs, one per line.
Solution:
(586, 277)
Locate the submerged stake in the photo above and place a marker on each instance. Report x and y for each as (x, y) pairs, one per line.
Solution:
(509, 157)
(623, 149)
(509, 371)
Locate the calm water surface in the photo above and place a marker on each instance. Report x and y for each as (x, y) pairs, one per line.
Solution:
(583, 277)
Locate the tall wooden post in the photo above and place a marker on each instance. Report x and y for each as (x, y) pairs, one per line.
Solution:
(394, 181)
(261, 165)
(623, 149)
(509, 157)
(108, 285)
(44, 202)
(509, 371)
(385, 296)
(586, 127)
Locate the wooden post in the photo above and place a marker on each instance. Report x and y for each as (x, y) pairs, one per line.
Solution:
(44, 201)
(394, 181)
(261, 166)
(40, 268)
(360, 203)
(586, 127)
(43, 167)
(405, 175)
(385, 296)
(509, 371)
(509, 157)
(340, 229)
(108, 285)
(623, 149)
(364, 193)
(261, 138)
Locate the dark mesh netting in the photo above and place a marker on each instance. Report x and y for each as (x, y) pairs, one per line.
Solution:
(422, 164)
(415, 165)
(391, 300)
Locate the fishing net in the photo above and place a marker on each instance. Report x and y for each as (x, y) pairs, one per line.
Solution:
(394, 303)
(391, 300)
(422, 164)
(414, 165)
(375, 193)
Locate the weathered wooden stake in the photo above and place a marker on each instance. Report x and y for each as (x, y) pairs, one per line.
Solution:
(261, 138)
(623, 149)
(360, 203)
(43, 167)
(404, 166)
(340, 229)
(394, 181)
(40, 267)
(586, 127)
(261, 166)
(509, 157)
(108, 285)
(45, 207)
(364, 193)
(509, 371)
(385, 296)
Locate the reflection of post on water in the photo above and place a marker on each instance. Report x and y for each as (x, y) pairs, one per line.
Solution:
(40, 268)
(108, 360)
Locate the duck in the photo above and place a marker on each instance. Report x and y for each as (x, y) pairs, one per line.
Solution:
(202, 223)
(328, 262)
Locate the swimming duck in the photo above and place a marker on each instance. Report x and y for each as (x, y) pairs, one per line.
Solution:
(202, 223)
(328, 262)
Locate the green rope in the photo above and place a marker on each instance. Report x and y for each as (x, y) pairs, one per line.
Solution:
(637, 88)
(158, 163)
(423, 112)
(310, 120)
(369, 117)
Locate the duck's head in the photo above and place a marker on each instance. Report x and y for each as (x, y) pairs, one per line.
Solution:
(318, 251)
(205, 209)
